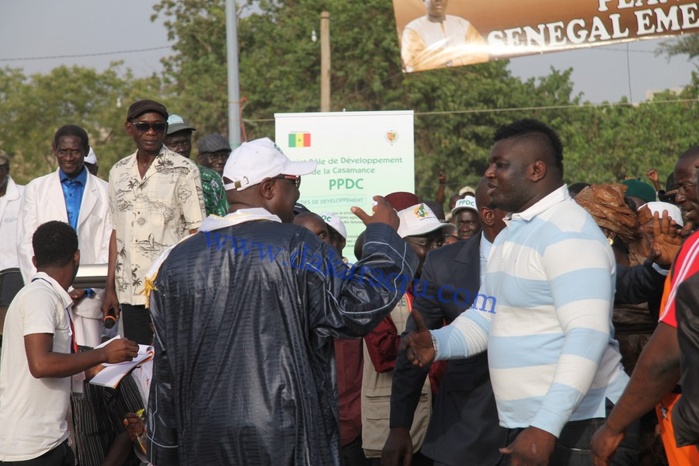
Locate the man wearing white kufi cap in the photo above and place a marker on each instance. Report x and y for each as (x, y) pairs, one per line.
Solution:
(263, 301)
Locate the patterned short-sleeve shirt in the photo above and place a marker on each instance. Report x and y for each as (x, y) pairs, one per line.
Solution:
(214, 194)
(151, 214)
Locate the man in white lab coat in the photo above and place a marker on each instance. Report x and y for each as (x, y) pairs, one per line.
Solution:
(10, 199)
(72, 195)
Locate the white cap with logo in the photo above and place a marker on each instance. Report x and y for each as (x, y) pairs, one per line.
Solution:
(419, 220)
(253, 161)
(334, 221)
(468, 202)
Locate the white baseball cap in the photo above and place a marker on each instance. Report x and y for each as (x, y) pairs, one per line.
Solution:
(91, 157)
(253, 161)
(468, 202)
(335, 222)
(419, 220)
(672, 210)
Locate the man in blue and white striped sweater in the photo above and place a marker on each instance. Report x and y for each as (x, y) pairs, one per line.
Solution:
(545, 312)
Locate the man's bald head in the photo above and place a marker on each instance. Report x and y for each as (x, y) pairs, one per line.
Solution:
(685, 174)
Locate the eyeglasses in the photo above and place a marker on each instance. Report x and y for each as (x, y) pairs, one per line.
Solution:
(427, 243)
(158, 127)
(296, 180)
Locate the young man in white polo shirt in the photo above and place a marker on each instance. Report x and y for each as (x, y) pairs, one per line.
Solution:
(39, 356)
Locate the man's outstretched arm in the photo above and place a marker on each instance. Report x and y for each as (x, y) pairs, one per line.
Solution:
(656, 374)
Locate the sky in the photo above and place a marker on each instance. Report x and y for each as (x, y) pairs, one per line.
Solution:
(88, 33)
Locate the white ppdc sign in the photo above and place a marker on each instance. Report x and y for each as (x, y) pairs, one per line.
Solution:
(359, 155)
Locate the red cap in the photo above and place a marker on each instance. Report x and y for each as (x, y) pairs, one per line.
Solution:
(402, 200)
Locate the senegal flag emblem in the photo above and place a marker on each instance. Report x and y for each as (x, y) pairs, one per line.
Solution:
(299, 139)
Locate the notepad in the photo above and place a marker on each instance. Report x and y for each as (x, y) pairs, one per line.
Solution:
(111, 374)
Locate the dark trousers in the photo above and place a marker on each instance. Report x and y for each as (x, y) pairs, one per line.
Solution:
(137, 324)
(98, 417)
(62, 455)
(573, 445)
(353, 454)
(418, 460)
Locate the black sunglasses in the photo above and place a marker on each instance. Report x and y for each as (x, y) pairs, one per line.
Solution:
(293, 178)
(142, 126)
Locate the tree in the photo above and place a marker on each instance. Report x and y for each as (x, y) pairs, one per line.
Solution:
(40, 104)
(622, 141)
(280, 67)
(195, 74)
(686, 44)
(456, 109)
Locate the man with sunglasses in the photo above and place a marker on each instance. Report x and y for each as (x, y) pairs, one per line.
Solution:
(156, 200)
(246, 313)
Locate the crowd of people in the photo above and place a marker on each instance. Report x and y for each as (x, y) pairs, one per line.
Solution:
(536, 323)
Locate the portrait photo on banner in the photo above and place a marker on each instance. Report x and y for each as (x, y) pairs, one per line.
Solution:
(446, 33)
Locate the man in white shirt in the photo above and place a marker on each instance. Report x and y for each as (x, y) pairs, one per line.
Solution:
(39, 355)
(554, 365)
(10, 200)
(71, 194)
(437, 40)
(156, 200)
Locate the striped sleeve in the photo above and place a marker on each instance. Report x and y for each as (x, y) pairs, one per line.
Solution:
(465, 336)
(582, 287)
